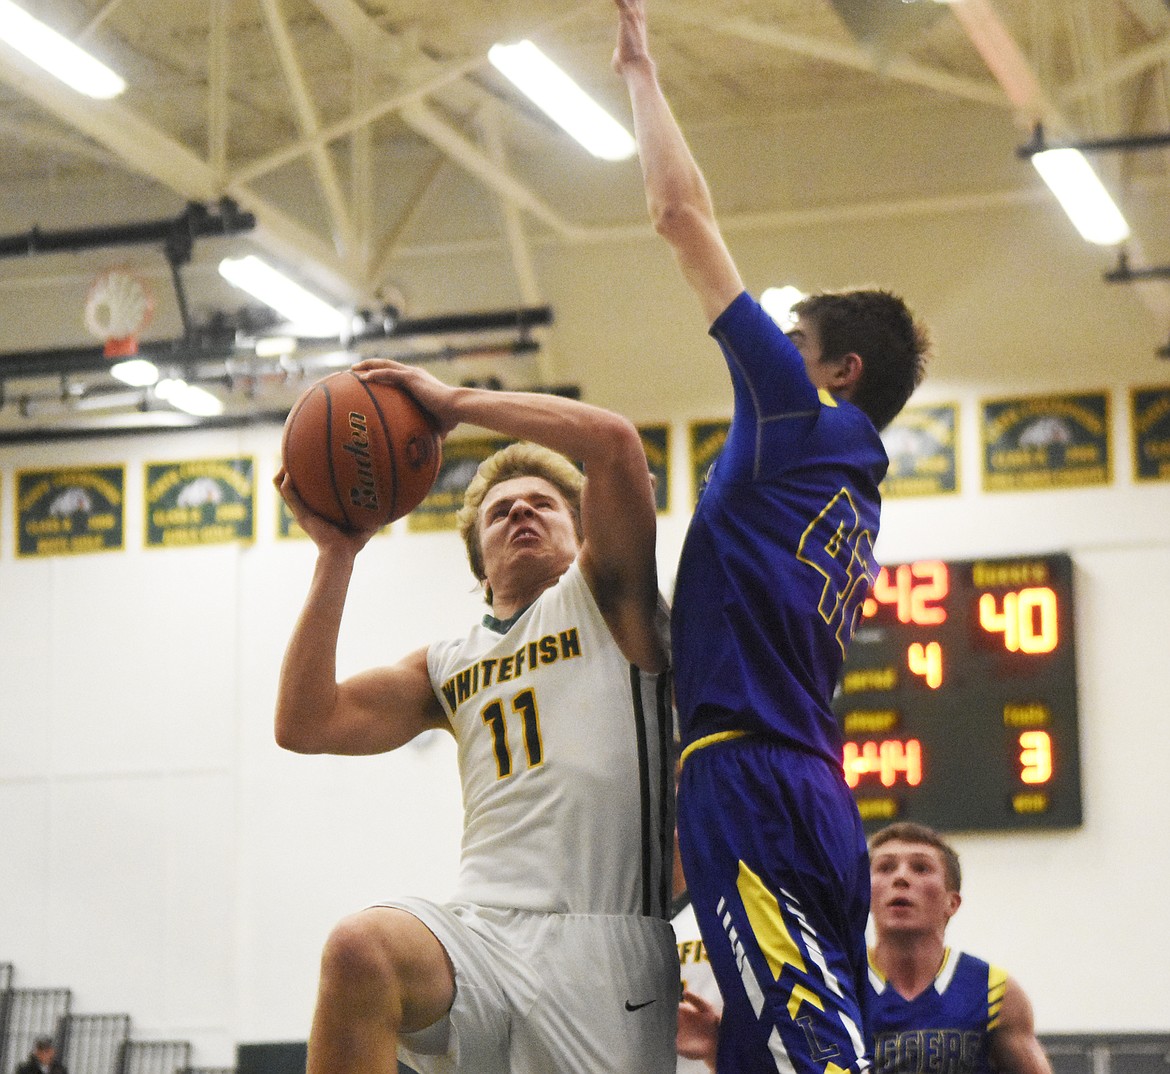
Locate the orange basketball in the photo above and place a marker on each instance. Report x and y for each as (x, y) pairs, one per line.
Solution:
(359, 453)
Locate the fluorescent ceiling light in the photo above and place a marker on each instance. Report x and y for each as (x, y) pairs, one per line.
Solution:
(778, 303)
(275, 346)
(138, 419)
(137, 372)
(188, 397)
(305, 311)
(56, 54)
(115, 400)
(562, 100)
(1081, 195)
(332, 360)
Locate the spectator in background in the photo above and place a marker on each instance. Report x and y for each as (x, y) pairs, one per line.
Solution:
(42, 1059)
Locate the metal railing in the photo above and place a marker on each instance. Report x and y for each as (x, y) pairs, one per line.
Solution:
(94, 1043)
(86, 1043)
(30, 1013)
(155, 1056)
(1108, 1053)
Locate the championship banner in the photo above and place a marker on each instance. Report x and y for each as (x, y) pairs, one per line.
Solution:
(1046, 442)
(1149, 412)
(656, 444)
(200, 502)
(921, 443)
(706, 441)
(70, 511)
(461, 458)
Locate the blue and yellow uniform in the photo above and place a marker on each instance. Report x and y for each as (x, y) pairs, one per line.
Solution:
(946, 1029)
(776, 563)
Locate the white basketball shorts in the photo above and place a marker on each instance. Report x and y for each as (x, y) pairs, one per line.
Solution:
(539, 993)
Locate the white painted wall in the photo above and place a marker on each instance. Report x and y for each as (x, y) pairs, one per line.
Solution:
(161, 856)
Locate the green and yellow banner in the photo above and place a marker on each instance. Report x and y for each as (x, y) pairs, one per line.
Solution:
(200, 502)
(70, 511)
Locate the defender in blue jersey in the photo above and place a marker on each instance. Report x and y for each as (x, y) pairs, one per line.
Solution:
(776, 564)
(935, 1010)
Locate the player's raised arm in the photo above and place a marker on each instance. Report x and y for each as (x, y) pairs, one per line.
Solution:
(618, 516)
(677, 195)
(370, 713)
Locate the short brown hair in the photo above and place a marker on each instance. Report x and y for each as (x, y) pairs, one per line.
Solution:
(907, 831)
(879, 327)
(516, 460)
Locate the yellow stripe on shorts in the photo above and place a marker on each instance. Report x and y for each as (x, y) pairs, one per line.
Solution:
(710, 740)
(772, 935)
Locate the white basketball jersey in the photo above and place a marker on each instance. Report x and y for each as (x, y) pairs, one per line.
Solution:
(568, 786)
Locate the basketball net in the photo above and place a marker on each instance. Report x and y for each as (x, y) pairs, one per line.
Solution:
(118, 307)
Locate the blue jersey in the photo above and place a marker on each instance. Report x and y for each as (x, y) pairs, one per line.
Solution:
(943, 1030)
(779, 554)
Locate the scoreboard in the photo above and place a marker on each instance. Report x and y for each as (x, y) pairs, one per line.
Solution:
(958, 697)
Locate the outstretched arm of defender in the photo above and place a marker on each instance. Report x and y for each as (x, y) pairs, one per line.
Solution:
(677, 195)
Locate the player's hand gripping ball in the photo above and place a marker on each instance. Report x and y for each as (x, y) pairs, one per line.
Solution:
(359, 453)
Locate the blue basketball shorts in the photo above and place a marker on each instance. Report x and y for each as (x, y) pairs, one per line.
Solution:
(777, 870)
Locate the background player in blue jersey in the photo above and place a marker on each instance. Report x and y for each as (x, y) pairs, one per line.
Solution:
(776, 563)
(934, 1008)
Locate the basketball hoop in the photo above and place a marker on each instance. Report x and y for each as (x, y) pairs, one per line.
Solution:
(118, 307)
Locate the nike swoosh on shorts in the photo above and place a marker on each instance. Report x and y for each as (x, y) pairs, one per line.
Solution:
(637, 1006)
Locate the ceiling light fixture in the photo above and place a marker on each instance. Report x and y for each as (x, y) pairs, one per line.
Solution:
(562, 100)
(306, 312)
(188, 397)
(102, 400)
(137, 372)
(57, 54)
(1082, 195)
(778, 303)
(275, 346)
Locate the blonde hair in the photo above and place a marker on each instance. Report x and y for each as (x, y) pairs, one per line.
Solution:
(516, 460)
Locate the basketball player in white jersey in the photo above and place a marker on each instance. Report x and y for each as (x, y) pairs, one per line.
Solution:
(555, 953)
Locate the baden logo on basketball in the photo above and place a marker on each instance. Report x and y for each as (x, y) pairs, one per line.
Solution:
(359, 453)
(365, 493)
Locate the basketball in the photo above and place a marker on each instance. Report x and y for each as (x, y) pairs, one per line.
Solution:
(359, 453)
